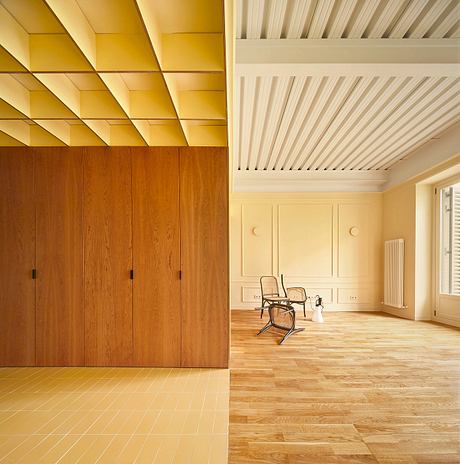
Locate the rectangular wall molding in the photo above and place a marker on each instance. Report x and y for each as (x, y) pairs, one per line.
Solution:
(313, 245)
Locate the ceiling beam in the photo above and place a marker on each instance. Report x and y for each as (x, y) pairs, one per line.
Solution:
(348, 57)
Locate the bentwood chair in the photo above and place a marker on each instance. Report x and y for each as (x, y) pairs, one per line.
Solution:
(270, 292)
(282, 317)
(296, 295)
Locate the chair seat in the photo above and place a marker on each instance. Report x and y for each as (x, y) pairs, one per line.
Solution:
(277, 298)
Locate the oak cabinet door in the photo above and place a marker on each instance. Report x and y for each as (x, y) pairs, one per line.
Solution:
(107, 217)
(156, 253)
(60, 313)
(17, 257)
(204, 256)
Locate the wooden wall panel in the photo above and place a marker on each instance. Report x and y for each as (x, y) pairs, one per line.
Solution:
(17, 257)
(204, 256)
(156, 254)
(60, 314)
(107, 213)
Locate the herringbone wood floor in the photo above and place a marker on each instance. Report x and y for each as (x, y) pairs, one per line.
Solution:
(360, 388)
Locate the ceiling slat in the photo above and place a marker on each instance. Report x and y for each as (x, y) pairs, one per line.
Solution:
(248, 85)
(430, 17)
(237, 122)
(300, 13)
(320, 19)
(456, 31)
(396, 123)
(277, 12)
(323, 96)
(255, 19)
(406, 111)
(439, 101)
(383, 110)
(363, 18)
(341, 19)
(449, 21)
(304, 107)
(290, 114)
(320, 152)
(259, 121)
(330, 112)
(407, 18)
(431, 130)
(279, 93)
(369, 107)
(239, 19)
(385, 18)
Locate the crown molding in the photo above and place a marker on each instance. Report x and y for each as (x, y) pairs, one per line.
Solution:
(309, 181)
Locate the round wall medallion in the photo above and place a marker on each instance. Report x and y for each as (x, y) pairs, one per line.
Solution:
(354, 231)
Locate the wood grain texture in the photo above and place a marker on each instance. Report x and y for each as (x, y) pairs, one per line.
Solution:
(156, 255)
(59, 304)
(360, 388)
(107, 212)
(204, 256)
(17, 257)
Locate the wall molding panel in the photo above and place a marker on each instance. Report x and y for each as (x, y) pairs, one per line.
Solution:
(346, 268)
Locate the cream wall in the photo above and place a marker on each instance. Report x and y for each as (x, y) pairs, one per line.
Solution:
(306, 236)
(408, 212)
(399, 222)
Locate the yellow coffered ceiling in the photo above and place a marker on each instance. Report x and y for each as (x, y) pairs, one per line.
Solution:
(112, 72)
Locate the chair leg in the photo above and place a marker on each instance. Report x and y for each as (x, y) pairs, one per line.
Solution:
(289, 333)
(262, 309)
(304, 313)
(265, 328)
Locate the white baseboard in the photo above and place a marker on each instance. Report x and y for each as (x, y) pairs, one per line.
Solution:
(443, 320)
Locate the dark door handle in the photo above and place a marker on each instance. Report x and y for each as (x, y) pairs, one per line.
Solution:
(131, 274)
(34, 273)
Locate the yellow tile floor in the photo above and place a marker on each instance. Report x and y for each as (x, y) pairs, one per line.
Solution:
(113, 415)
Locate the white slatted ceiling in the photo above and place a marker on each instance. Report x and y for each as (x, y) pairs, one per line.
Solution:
(361, 123)
(259, 19)
(339, 123)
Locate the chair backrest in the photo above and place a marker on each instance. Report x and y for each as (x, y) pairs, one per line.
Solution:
(269, 286)
(297, 294)
(282, 316)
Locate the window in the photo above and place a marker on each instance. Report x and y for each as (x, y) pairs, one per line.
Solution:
(450, 240)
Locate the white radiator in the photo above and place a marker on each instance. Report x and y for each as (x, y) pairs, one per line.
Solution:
(394, 273)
